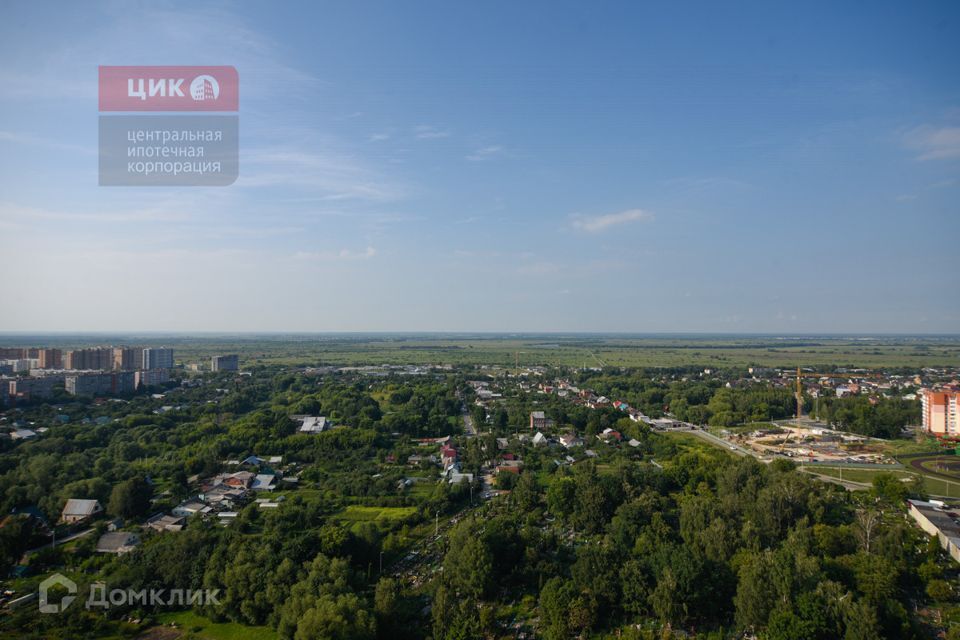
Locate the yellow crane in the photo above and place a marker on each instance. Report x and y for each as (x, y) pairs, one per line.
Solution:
(812, 374)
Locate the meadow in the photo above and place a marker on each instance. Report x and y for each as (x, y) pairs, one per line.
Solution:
(570, 350)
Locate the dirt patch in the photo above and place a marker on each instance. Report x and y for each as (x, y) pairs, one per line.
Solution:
(160, 633)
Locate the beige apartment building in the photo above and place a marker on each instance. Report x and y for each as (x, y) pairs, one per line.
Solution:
(940, 411)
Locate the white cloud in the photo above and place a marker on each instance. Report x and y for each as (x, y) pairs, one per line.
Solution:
(31, 140)
(335, 176)
(427, 132)
(12, 212)
(596, 224)
(330, 256)
(485, 153)
(934, 143)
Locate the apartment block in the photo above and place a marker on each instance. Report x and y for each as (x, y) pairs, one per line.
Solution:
(151, 377)
(97, 384)
(225, 363)
(158, 358)
(100, 358)
(940, 411)
(33, 388)
(50, 359)
(127, 358)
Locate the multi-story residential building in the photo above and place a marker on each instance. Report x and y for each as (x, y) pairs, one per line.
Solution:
(158, 358)
(50, 359)
(127, 358)
(15, 366)
(225, 363)
(941, 411)
(100, 358)
(32, 388)
(94, 384)
(12, 353)
(151, 377)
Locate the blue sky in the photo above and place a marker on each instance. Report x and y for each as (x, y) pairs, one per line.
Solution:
(498, 166)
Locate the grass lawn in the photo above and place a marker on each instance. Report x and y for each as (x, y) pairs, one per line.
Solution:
(691, 441)
(906, 447)
(197, 626)
(357, 513)
(935, 486)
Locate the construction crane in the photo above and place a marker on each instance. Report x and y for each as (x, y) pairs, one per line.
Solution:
(799, 391)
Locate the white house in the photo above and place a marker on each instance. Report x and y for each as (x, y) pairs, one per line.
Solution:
(77, 510)
(314, 424)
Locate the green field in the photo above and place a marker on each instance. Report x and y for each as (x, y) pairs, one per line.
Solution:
(591, 350)
(934, 486)
(196, 626)
(357, 513)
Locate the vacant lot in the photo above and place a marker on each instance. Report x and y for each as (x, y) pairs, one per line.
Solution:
(195, 626)
(357, 513)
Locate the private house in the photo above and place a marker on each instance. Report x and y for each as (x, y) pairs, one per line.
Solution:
(117, 542)
(223, 494)
(570, 440)
(539, 421)
(264, 482)
(599, 403)
(190, 508)
(448, 455)
(238, 480)
(314, 424)
(455, 477)
(78, 510)
(609, 435)
(166, 522)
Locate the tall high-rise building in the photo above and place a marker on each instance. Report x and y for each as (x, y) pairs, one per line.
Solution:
(51, 359)
(225, 363)
(127, 358)
(158, 358)
(941, 411)
(88, 359)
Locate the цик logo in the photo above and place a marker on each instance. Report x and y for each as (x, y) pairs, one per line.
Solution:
(205, 88)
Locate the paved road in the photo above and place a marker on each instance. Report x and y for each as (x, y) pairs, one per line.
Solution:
(468, 427)
(720, 442)
(79, 534)
(846, 484)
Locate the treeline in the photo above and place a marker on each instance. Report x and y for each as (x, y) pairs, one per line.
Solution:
(719, 546)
